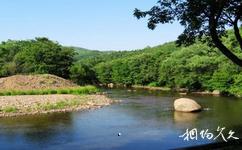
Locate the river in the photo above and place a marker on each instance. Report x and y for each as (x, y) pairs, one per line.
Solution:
(145, 120)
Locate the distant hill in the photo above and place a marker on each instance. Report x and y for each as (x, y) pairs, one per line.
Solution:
(94, 56)
(85, 53)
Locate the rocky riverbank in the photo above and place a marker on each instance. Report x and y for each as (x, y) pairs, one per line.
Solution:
(181, 91)
(151, 88)
(11, 106)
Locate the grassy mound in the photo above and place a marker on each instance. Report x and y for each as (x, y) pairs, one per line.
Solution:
(34, 82)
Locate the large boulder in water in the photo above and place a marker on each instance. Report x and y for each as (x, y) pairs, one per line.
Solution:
(186, 105)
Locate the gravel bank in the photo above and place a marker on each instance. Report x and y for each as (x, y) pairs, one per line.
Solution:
(11, 106)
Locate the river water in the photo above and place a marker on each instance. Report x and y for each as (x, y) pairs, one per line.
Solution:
(145, 120)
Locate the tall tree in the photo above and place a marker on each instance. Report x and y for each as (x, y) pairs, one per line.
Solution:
(202, 19)
(40, 55)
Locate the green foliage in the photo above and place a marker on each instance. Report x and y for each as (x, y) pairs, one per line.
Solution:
(60, 105)
(83, 53)
(104, 72)
(196, 68)
(77, 90)
(235, 89)
(140, 67)
(82, 73)
(9, 109)
(224, 79)
(52, 91)
(62, 91)
(35, 56)
(153, 84)
(203, 20)
(189, 67)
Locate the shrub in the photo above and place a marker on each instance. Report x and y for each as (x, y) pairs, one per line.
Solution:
(9, 109)
(153, 84)
(75, 90)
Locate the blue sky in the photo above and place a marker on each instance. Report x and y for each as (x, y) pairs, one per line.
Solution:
(95, 24)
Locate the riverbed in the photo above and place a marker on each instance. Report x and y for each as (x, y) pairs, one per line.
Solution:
(143, 119)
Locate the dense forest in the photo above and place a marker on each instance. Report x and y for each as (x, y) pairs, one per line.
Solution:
(35, 56)
(197, 67)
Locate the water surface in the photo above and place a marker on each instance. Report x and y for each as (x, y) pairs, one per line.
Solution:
(145, 119)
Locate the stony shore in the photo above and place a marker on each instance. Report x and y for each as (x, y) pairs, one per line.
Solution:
(181, 91)
(151, 88)
(11, 106)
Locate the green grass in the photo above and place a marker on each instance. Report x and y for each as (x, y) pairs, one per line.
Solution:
(9, 109)
(77, 90)
(59, 105)
(153, 84)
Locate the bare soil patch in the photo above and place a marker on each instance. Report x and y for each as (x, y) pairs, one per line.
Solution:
(29, 82)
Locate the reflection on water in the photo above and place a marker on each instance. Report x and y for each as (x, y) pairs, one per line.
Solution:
(185, 117)
(33, 129)
(146, 120)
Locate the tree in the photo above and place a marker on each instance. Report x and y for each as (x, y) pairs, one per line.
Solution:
(44, 56)
(82, 74)
(201, 18)
(7, 52)
(104, 72)
(35, 56)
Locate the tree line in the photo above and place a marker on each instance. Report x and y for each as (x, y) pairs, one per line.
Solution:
(197, 67)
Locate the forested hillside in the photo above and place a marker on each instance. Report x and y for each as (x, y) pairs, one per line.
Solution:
(197, 67)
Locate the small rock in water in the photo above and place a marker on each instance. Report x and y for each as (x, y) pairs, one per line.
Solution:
(207, 109)
(119, 134)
